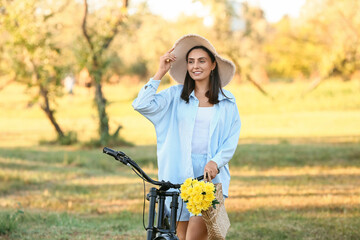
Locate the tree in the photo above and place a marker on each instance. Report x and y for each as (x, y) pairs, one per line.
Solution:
(324, 41)
(337, 24)
(242, 44)
(148, 37)
(292, 49)
(32, 55)
(99, 33)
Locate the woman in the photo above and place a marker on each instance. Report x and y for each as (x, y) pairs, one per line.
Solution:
(197, 122)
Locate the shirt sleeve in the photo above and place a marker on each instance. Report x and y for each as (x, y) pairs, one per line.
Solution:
(150, 104)
(227, 149)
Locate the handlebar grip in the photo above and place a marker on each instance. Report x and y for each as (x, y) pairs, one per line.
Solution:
(110, 152)
(200, 178)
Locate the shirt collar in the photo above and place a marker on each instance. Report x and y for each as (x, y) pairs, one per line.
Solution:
(221, 96)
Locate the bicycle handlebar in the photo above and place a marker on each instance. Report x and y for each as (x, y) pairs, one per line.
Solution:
(120, 156)
(110, 152)
(124, 159)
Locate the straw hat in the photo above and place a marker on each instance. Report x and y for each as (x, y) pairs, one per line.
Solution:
(184, 44)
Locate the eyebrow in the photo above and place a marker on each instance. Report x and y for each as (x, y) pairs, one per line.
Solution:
(198, 58)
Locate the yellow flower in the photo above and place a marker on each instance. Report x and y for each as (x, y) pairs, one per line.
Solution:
(209, 188)
(194, 182)
(209, 197)
(187, 183)
(185, 195)
(197, 189)
(194, 209)
(198, 195)
(197, 199)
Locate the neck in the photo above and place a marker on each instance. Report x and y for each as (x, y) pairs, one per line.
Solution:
(201, 87)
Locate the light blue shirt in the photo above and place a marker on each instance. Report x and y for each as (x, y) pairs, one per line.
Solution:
(174, 121)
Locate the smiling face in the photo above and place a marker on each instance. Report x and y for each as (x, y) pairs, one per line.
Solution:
(199, 65)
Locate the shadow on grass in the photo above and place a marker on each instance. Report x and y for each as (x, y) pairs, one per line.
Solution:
(49, 173)
(300, 179)
(311, 222)
(38, 165)
(264, 223)
(86, 158)
(263, 156)
(277, 195)
(254, 155)
(44, 225)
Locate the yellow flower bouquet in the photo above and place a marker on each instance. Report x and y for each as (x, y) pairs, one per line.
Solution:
(198, 195)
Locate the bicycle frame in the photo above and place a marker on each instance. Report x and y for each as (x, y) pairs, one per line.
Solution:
(163, 230)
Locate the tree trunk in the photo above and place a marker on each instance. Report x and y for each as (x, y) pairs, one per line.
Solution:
(314, 84)
(96, 71)
(49, 112)
(7, 83)
(103, 117)
(45, 106)
(257, 85)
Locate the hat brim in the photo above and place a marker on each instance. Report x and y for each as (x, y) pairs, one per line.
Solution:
(178, 69)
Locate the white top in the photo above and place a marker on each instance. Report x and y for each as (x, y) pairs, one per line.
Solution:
(200, 138)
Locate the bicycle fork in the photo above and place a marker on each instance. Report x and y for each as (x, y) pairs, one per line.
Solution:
(157, 195)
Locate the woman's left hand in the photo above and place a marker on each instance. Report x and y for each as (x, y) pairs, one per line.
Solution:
(212, 169)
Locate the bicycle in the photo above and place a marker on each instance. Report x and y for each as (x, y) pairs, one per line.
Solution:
(163, 229)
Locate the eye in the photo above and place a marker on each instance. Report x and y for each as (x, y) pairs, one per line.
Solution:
(202, 61)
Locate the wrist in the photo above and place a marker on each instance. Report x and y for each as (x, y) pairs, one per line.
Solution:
(216, 166)
(159, 75)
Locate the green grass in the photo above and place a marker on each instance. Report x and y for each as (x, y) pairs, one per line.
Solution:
(41, 225)
(295, 224)
(262, 156)
(278, 191)
(9, 222)
(295, 174)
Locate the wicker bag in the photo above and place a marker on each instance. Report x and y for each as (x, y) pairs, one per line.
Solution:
(216, 219)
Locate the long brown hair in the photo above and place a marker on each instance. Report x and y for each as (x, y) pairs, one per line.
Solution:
(215, 82)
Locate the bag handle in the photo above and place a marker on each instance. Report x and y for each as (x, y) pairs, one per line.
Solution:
(207, 177)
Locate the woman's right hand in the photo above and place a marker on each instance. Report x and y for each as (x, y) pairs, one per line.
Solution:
(165, 64)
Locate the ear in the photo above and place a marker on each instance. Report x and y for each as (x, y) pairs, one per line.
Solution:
(213, 66)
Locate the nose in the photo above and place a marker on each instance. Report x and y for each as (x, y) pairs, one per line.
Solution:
(196, 64)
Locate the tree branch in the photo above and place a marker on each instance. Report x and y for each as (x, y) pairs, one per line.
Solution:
(314, 84)
(348, 23)
(115, 29)
(248, 77)
(257, 85)
(87, 37)
(6, 83)
(53, 13)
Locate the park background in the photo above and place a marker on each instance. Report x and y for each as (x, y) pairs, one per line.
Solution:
(295, 173)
